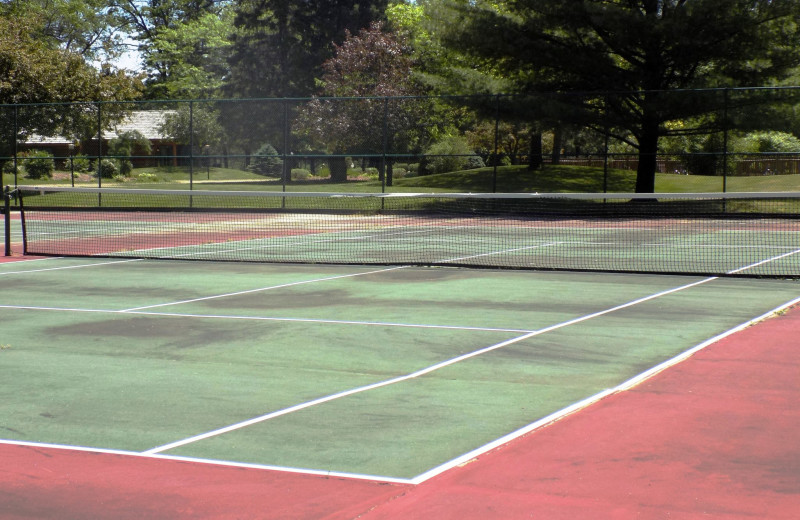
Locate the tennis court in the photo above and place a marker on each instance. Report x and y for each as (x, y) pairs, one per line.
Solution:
(392, 374)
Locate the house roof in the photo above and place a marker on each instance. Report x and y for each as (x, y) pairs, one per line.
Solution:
(146, 122)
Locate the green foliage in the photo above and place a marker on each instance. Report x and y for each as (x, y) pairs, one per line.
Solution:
(86, 27)
(81, 163)
(267, 162)
(450, 154)
(124, 146)
(300, 174)
(126, 143)
(191, 56)
(646, 47)
(147, 177)
(39, 164)
(279, 46)
(768, 142)
(8, 168)
(108, 169)
(198, 124)
(34, 70)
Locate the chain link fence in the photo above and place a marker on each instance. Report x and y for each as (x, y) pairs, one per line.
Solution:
(694, 140)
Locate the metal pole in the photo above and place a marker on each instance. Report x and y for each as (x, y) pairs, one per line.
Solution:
(16, 144)
(286, 172)
(496, 142)
(725, 142)
(7, 219)
(385, 144)
(71, 165)
(99, 151)
(191, 148)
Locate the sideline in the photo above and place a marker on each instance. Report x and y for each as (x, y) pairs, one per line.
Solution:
(418, 373)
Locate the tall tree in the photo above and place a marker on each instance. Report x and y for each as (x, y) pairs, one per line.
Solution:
(643, 47)
(35, 70)
(193, 56)
(280, 45)
(89, 28)
(162, 29)
(370, 67)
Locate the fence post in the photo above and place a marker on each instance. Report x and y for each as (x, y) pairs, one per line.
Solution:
(286, 172)
(16, 144)
(191, 148)
(385, 144)
(496, 141)
(605, 147)
(99, 150)
(725, 140)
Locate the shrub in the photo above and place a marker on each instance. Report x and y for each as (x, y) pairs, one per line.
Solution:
(108, 169)
(768, 142)
(147, 177)
(8, 168)
(81, 163)
(300, 174)
(125, 167)
(474, 162)
(450, 154)
(267, 162)
(39, 165)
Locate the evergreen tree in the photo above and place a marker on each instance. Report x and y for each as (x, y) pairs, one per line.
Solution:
(280, 45)
(645, 47)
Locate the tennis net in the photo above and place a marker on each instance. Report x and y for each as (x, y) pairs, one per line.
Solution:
(733, 234)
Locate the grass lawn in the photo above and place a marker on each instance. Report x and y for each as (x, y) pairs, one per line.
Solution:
(549, 179)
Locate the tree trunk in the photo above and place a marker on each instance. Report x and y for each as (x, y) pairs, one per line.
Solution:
(648, 149)
(338, 167)
(535, 155)
(557, 137)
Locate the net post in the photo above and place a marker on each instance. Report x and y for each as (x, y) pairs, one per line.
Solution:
(7, 219)
(18, 195)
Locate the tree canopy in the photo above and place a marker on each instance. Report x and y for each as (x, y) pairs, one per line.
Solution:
(611, 66)
(643, 47)
(280, 45)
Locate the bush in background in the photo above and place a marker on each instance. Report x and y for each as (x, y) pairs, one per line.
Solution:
(108, 169)
(266, 161)
(39, 165)
(81, 163)
(450, 154)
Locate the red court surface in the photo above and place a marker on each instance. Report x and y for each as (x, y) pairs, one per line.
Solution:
(715, 436)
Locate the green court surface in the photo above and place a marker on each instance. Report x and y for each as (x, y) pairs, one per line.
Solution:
(387, 372)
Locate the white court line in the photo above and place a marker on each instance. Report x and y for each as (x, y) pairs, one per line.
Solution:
(247, 465)
(513, 250)
(416, 374)
(462, 459)
(262, 289)
(263, 318)
(61, 268)
(627, 385)
(762, 262)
